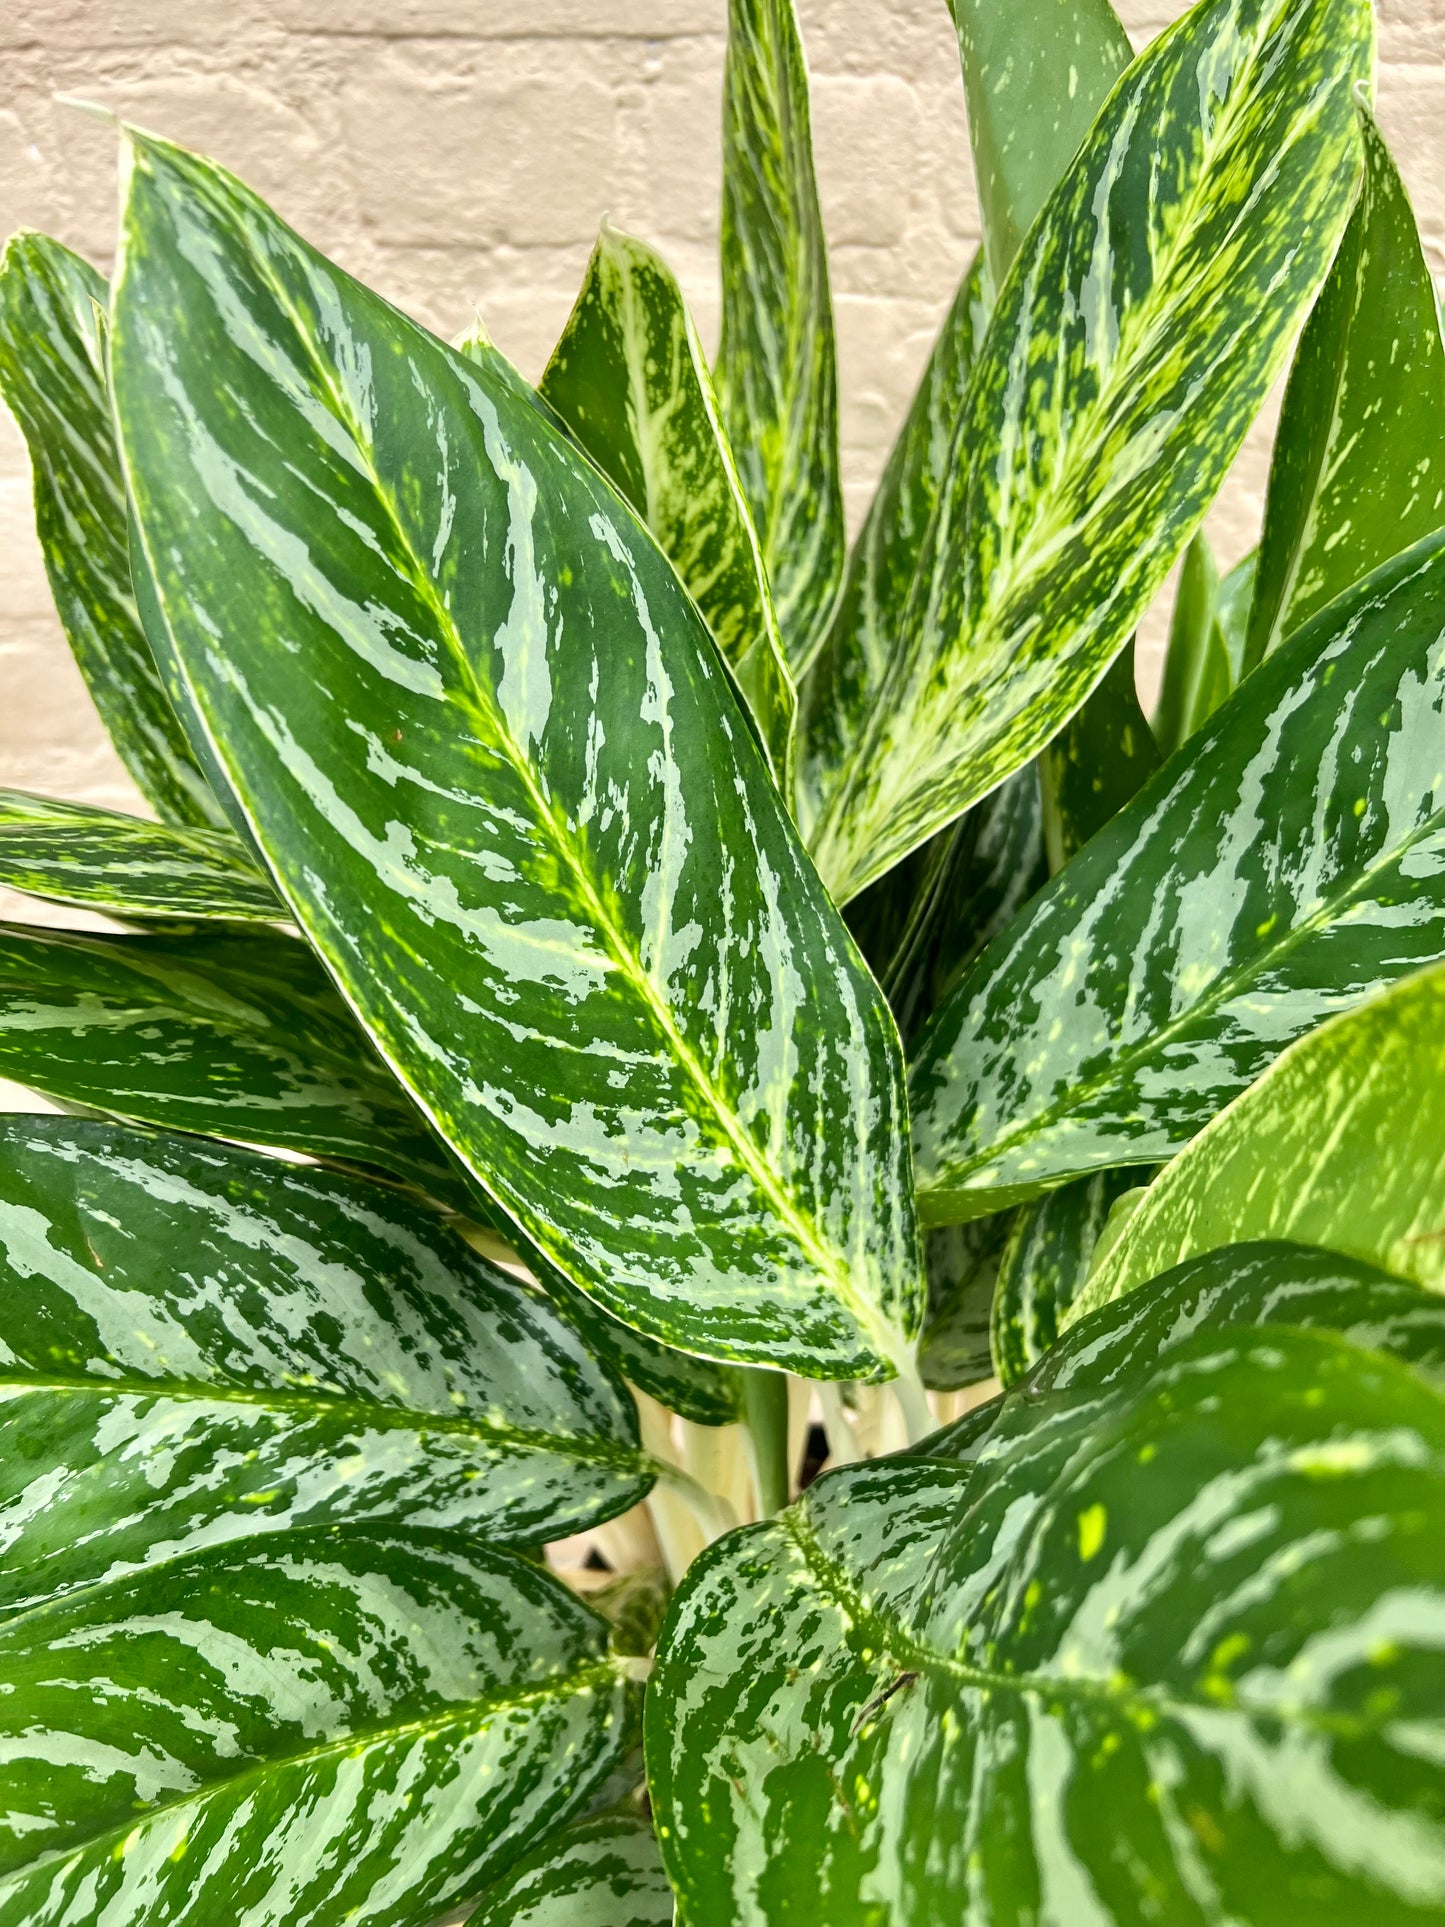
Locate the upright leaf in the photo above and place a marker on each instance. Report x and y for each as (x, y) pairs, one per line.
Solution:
(922, 925)
(1288, 861)
(129, 868)
(1204, 662)
(605, 1872)
(1358, 471)
(198, 1345)
(777, 374)
(962, 1262)
(1142, 323)
(229, 1036)
(488, 748)
(1100, 759)
(315, 1730)
(53, 378)
(838, 694)
(1340, 1144)
(1036, 72)
(630, 380)
(1185, 1661)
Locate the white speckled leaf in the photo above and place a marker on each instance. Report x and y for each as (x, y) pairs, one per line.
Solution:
(1141, 325)
(490, 752)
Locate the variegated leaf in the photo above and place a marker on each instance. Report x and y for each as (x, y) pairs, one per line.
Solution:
(838, 694)
(1359, 468)
(962, 1261)
(630, 380)
(230, 1036)
(197, 1344)
(1178, 1657)
(777, 375)
(1341, 1143)
(605, 1872)
(126, 867)
(1142, 323)
(494, 762)
(311, 1731)
(1036, 72)
(52, 376)
(1287, 862)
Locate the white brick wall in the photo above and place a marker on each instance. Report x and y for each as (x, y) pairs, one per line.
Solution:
(460, 154)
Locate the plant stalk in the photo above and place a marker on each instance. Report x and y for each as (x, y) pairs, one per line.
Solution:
(765, 1414)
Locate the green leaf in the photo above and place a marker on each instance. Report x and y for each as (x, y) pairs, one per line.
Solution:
(1339, 1144)
(197, 1344)
(231, 1036)
(922, 925)
(1205, 659)
(1181, 1661)
(1044, 1267)
(1036, 72)
(52, 375)
(1143, 321)
(126, 867)
(1239, 900)
(309, 1731)
(777, 375)
(485, 740)
(630, 381)
(605, 1872)
(962, 1262)
(838, 695)
(1100, 759)
(1358, 472)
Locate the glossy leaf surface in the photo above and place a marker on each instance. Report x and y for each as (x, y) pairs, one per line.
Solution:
(777, 369)
(237, 1036)
(52, 376)
(1044, 1267)
(1358, 471)
(1341, 1143)
(126, 867)
(630, 380)
(605, 1872)
(1140, 328)
(301, 1732)
(1101, 758)
(1036, 72)
(507, 790)
(1283, 866)
(196, 1343)
(1196, 672)
(837, 697)
(1150, 1667)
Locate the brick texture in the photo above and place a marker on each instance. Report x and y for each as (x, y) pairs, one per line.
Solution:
(459, 155)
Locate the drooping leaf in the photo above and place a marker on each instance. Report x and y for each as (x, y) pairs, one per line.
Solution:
(1151, 1669)
(837, 697)
(1141, 325)
(1341, 1143)
(630, 380)
(1044, 1266)
(1287, 862)
(922, 925)
(506, 790)
(307, 1731)
(1036, 72)
(962, 1262)
(230, 1036)
(52, 376)
(1101, 758)
(605, 1872)
(777, 374)
(196, 1343)
(127, 867)
(1358, 471)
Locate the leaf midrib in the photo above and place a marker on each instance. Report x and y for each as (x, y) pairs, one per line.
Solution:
(1225, 987)
(591, 1677)
(596, 1451)
(628, 963)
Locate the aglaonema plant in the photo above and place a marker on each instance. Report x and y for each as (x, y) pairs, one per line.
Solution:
(615, 976)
